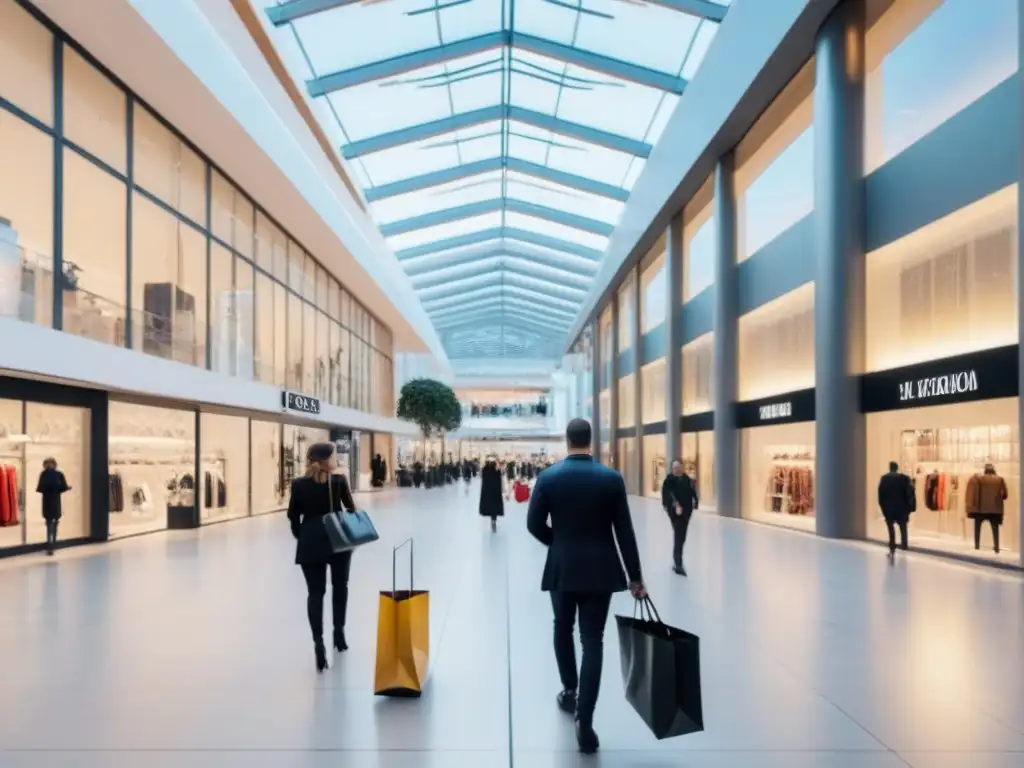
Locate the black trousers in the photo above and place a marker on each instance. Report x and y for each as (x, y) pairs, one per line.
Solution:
(680, 527)
(593, 613)
(993, 520)
(892, 524)
(316, 584)
(51, 533)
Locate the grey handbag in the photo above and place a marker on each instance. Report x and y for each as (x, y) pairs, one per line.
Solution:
(347, 530)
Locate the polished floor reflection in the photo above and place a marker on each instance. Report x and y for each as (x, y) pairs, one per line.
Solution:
(191, 649)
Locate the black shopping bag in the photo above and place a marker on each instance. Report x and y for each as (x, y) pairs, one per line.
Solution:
(661, 673)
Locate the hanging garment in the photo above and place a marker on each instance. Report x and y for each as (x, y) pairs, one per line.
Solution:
(207, 490)
(222, 493)
(931, 487)
(116, 492)
(8, 497)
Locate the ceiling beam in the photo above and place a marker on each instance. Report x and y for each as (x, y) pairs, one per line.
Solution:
(462, 285)
(502, 277)
(482, 207)
(486, 266)
(398, 65)
(498, 233)
(460, 296)
(547, 287)
(584, 269)
(468, 170)
(445, 125)
(480, 320)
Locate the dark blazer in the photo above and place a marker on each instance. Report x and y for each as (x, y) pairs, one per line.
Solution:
(52, 484)
(896, 496)
(588, 511)
(307, 506)
(678, 490)
(492, 502)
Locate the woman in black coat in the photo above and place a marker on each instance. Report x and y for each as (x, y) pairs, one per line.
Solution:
(492, 503)
(52, 485)
(312, 497)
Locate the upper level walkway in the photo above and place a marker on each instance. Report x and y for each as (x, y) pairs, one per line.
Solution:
(190, 650)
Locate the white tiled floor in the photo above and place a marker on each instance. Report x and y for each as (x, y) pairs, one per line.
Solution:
(191, 649)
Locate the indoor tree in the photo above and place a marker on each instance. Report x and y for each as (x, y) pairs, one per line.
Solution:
(432, 406)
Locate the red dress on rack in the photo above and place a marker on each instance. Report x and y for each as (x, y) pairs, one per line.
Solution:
(8, 496)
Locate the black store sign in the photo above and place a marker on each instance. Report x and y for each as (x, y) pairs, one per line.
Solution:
(293, 401)
(790, 408)
(986, 375)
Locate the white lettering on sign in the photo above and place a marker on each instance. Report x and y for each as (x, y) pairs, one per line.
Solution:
(296, 402)
(937, 386)
(776, 411)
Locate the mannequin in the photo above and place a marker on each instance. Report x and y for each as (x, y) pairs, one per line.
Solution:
(985, 496)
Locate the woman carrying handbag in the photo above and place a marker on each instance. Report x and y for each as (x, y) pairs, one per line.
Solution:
(313, 496)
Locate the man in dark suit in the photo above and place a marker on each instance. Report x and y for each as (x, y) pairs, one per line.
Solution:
(679, 498)
(897, 499)
(586, 505)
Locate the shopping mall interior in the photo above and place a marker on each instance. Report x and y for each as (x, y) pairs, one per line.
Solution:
(777, 252)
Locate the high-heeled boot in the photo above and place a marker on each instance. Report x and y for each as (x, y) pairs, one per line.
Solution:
(339, 640)
(321, 656)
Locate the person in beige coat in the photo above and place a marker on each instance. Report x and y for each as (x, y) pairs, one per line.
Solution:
(986, 494)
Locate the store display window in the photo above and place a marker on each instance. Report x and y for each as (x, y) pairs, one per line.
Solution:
(776, 346)
(654, 465)
(269, 493)
(295, 441)
(627, 463)
(947, 289)
(698, 456)
(152, 474)
(777, 467)
(627, 401)
(698, 364)
(31, 433)
(224, 467)
(652, 392)
(699, 255)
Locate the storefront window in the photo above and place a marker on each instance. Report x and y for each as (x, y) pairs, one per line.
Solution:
(323, 356)
(775, 167)
(94, 280)
(296, 267)
(654, 468)
(26, 63)
(94, 111)
(626, 308)
(927, 61)
(652, 392)
(698, 455)
(699, 253)
(294, 347)
(244, 319)
(31, 433)
(947, 289)
(152, 473)
(698, 359)
(168, 285)
(309, 361)
(627, 402)
(653, 291)
(168, 169)
(777, 466)
(295, 441)
(223, 328)
(627, 459)
(223, 467)
(944, 449)
(269, 491)
(26, 215)
(776, 346)
(265, 329)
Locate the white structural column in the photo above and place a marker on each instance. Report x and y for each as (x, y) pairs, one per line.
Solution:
(726, 344)
(673, 336)
(840, 273)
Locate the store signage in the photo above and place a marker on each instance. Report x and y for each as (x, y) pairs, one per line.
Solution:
(293, 401)
(775, 411)
(790, 408)
(985, 375)
(937, 386)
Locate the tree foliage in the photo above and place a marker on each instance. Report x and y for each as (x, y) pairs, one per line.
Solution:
(431, 405)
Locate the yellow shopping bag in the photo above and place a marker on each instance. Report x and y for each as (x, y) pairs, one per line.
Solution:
(403, 636)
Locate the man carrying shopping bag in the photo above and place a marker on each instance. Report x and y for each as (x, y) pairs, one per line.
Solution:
(586, 505)
(403, 636)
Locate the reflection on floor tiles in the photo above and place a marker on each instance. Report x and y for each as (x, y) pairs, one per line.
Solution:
(191, 649)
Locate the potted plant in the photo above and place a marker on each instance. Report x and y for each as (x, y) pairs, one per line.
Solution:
(431, 405)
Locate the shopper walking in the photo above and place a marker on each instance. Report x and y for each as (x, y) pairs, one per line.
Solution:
(679, 498)
(897, 500)
(313, 496)
(579, 510)
(492, 504)
(51, 486)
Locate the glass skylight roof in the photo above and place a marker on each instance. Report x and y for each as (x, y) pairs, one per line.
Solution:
(497, 140)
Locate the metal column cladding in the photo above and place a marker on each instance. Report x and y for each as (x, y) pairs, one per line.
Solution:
(673, 336)
(840, 273)
(726, 347)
